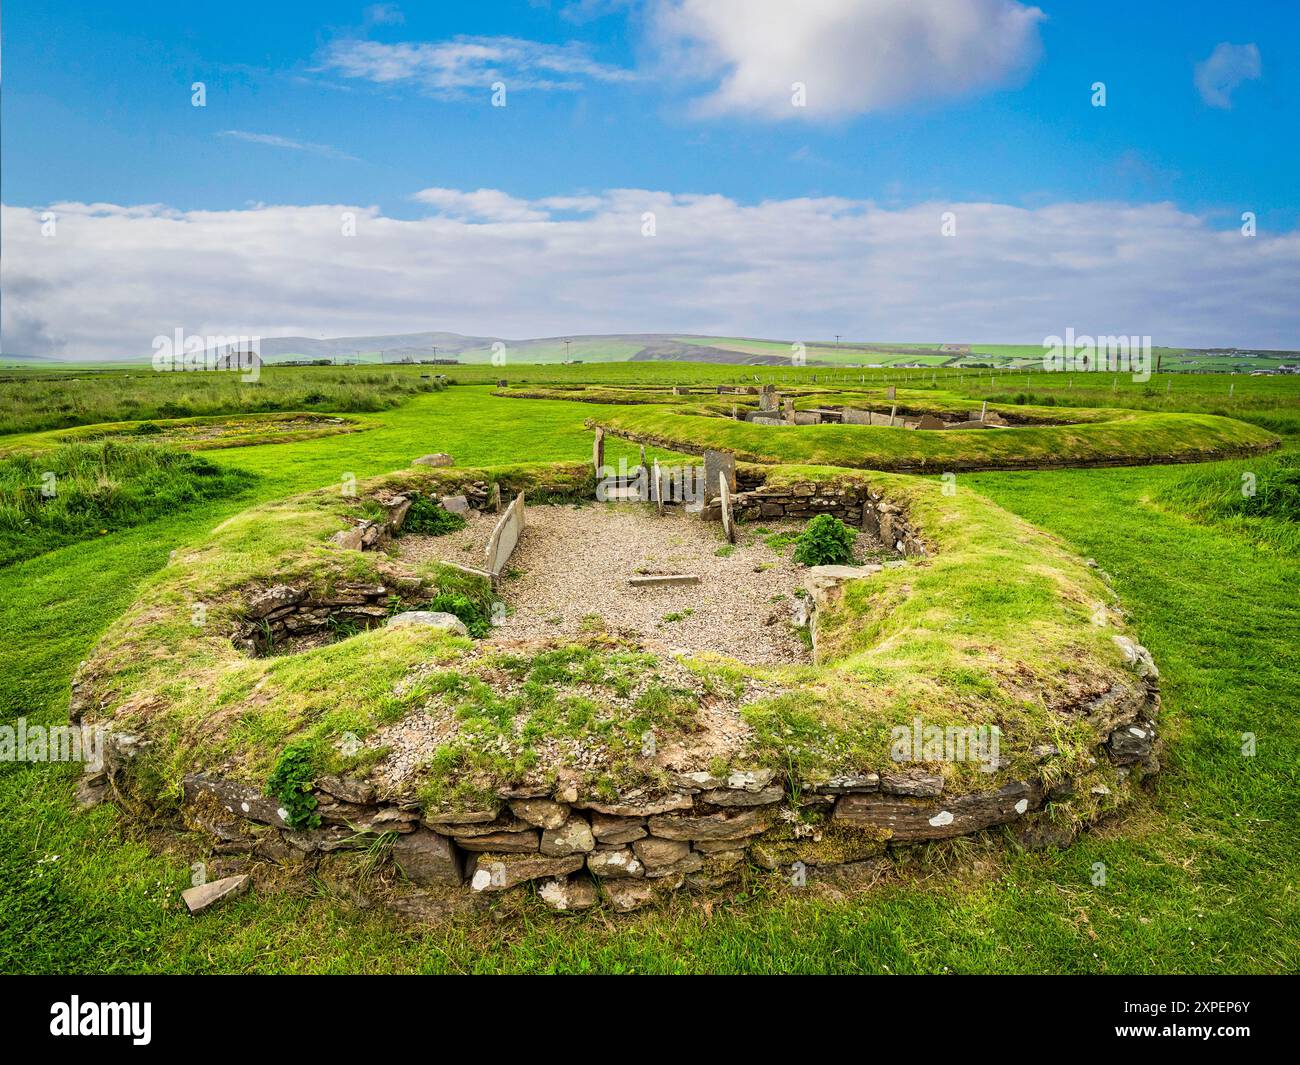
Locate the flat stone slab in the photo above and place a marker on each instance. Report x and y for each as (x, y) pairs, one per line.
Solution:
(427, 619)
(656, 579)
(205, 895)
(441, 458)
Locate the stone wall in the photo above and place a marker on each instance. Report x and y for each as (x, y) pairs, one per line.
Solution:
(856, 505)
(283, 612)
(698, 833)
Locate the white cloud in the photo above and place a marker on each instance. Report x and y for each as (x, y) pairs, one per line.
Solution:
(1218, 76)
(449, 68)
(384, 15)
(854, 56)
(114, 277)
(482, 205)
(272, 140)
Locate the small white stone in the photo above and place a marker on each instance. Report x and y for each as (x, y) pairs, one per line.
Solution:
(244, 806)
(942, 818)
(1022, 806)
(481, 880)
(282, 814)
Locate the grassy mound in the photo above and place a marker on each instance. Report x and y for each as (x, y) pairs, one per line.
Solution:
(77, 491)
(1001, 626)
(1113, 438)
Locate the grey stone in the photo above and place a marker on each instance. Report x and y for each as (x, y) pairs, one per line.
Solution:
(627, 895)
(655, 579)
(1137, 658)
(498, 872)
(569, 894)
(912, 819)
(847, 784)
(658, 853)
(426, 858)
(608, 829)
(274, 598)
(738, 797)
(574, 837)
(441, 819)
(347, 789)
(718, 465)
(724, 825)
(437, 459)
(912, 782)
(200, 898)
(428, 619)
(455, 504)
(615, 863)
(502, 842)
(349, 539)
(1130, 743)
(634, 806)
(544, 813)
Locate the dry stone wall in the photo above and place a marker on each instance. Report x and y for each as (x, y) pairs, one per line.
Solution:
(698, 834)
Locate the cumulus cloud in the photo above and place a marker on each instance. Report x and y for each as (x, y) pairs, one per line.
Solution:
(486, 263)
(451, 67)
(1218, 76)
(853, 56)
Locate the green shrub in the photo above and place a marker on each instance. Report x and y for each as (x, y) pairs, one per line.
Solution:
(476, 618)
(290, 782)
(427, 516)
(826, 541)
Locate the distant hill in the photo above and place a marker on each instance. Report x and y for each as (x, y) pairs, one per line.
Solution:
(682, 347)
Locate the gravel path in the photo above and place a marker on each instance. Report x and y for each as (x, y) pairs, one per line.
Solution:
(570, 573)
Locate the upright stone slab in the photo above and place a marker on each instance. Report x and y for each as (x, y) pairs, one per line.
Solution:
(658, 486)
(505, 537)
(856, 417)
(984, 410)
(892, 411)
(643, 456)
(598, 451)
(891, 393)
(494, 499)
(728, 524)
(768, 401)
(718, 464)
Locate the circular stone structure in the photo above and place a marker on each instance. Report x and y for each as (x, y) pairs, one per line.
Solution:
(973, 675)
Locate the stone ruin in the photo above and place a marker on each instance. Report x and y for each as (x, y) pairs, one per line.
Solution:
(695, 830)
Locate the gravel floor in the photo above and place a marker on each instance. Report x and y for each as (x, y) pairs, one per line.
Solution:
(570, 575)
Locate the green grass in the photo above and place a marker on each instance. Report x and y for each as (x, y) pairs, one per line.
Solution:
(78, 491)
(1120, 438)
(1200, 875)
(35, 402)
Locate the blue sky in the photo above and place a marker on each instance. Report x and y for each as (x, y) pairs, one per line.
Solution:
(344, 104)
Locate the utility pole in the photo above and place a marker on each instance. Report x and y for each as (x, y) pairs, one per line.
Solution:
(566, 350)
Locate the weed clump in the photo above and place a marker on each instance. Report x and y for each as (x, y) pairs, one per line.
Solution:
(290, 782)
(826, 542)
(428, 517)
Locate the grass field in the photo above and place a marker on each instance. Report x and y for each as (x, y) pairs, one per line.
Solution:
(1199, 875)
